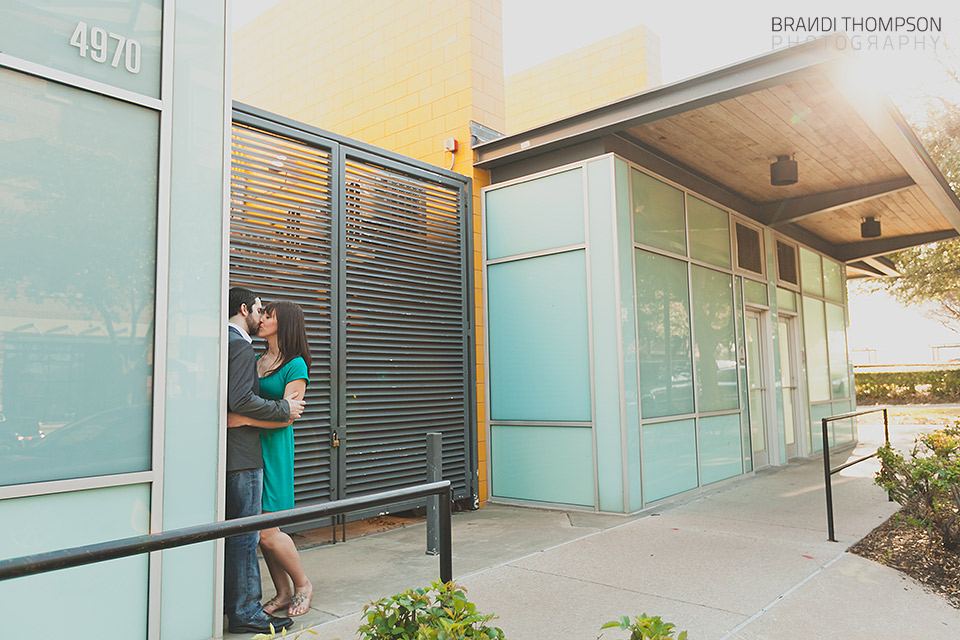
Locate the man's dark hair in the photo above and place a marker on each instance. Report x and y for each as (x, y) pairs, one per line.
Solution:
(240, 296)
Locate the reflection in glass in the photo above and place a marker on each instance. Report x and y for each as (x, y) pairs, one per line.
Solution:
(715, 352)
(832, 280)
(77, 276)
(787, 383)
(663, 319)
(811, 273)
(837, 343)
(755, 376)
(658, 214)
(815, 339)
(709, 232)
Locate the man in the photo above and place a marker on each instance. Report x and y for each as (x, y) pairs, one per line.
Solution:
(241, 599)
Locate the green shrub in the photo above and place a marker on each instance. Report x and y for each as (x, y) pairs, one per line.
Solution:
(908, 387)
(928, 481)
(646, 628)
(441, 612)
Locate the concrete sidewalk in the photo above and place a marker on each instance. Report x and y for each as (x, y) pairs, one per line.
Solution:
(749, 560)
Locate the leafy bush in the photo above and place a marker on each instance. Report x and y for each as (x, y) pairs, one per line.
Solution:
(908, 387)
(646, 628)
(928, 481)
(441, 612)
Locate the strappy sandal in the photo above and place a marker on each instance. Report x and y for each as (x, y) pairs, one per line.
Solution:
(276, 603)
(300, 600)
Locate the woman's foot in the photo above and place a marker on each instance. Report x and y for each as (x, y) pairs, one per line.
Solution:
(276, 603)
(301, 602)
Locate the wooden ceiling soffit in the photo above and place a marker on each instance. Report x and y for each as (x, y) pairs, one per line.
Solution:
(855, 251)
(782, 212)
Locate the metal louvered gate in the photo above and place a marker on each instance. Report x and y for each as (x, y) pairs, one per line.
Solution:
(375, 249)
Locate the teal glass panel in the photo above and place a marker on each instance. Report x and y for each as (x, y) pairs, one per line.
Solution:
(811, 272)
(544, 213)
(539, 346)
(549, 464)
(832, 280)
(817, 413)
(715, 339)
(669, 459)
(117, 43)
(837, 346)
(845, 430)
(786, 300)
(70, 602)
(815, 340)
(745, 434)
(709, 232)
(606, 332)
(755, 292)
(78, 197)
(195, 319)
(628, 330)
(720, 448)
(663, 324)
(658, 214)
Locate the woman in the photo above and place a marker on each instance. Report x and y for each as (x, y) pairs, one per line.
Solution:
(283, 370)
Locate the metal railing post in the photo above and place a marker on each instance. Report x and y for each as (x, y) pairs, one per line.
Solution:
(446, 536)
(434, 474)
(826, 478)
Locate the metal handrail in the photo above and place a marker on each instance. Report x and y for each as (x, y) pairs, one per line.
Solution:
(827, 471)
(90, 554)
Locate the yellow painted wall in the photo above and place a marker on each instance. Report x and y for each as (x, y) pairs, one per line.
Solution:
(613, 68)
(403, 75)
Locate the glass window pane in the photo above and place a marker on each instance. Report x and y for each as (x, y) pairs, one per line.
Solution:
(716, 348)
(837, 341)
(669, 459)
(755, 292)
(658, 214)
(787, 262)
(720, 456)
(539, 353)
(549, 464)
(115, 42)
(786, 300)
(832, 280)
(545, 213)
(815, 339)
(663, 322)
(811, 272)
(709, 232)
(77, 267)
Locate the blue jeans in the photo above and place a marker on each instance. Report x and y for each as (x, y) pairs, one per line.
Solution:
(241, 589)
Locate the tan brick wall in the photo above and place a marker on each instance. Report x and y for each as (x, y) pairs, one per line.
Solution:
(399, 74)
(605, 71)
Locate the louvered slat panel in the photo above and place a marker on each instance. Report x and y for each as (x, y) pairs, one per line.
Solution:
(281, 234)
(404, 328)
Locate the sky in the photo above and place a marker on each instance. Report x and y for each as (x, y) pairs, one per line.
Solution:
(697, 37)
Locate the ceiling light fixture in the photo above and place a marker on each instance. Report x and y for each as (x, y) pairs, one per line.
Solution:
(783, 172)
(870, 227)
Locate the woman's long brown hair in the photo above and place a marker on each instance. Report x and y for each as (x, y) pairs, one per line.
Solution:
(291, 333)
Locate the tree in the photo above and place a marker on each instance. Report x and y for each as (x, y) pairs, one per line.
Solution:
(930, 274)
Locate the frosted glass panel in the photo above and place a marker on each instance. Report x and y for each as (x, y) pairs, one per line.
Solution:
(709, 232)
(815, 339)
(832, 280)
(811, 272)
(116, 42)
(658, 214)
(714, 333)
(720, 448)
(77, 267)
(539, 354)
(837, 341)
(663, 323)
(532, 216)
(843, 430)
(786, 300)
(550, 464)
(817, 413)
(755, 292)
(669, 459)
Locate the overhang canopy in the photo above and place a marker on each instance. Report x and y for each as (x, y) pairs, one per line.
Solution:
(718, 133)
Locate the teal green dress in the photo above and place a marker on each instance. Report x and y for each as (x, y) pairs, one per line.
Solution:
(277, 444)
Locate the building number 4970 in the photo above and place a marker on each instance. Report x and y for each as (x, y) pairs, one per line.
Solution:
(98, 42)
